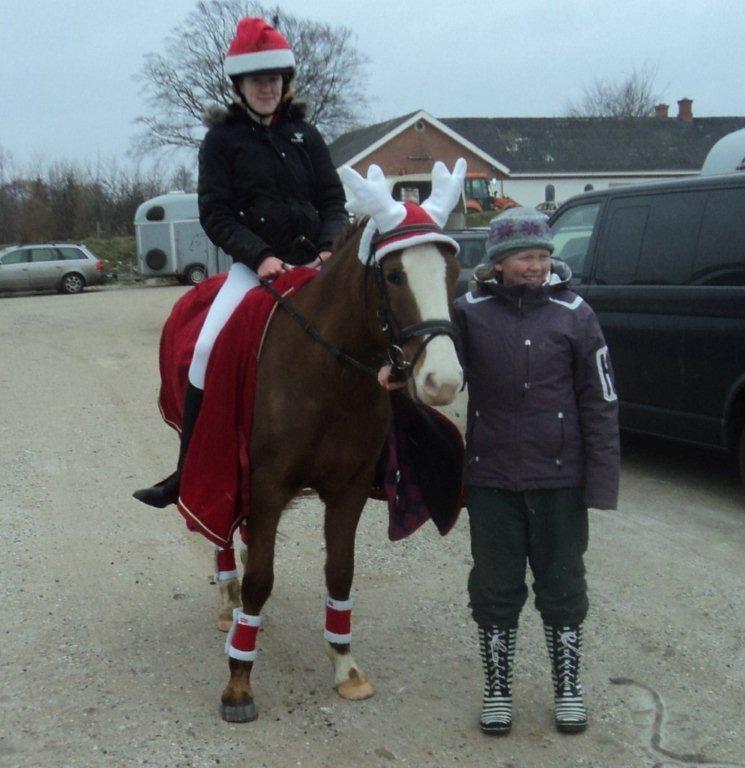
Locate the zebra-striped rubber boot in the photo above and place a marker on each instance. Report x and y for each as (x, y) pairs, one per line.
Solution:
(497, 656)
(564, 649)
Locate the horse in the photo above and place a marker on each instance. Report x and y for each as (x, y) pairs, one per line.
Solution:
(321, 419)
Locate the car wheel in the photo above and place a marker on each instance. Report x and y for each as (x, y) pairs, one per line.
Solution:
(195, 275)
(72, 283)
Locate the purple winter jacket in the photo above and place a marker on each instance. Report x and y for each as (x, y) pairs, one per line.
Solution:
(542, 407)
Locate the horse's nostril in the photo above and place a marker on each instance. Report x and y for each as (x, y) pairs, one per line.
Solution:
(430, 384)
(436, 388)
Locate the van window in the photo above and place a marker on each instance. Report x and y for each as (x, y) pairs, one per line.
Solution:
(620, 256)
(472, 252)
(721, 250)
(670, 239)
(572, 234)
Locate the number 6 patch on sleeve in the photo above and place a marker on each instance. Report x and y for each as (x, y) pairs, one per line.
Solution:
(604, 373)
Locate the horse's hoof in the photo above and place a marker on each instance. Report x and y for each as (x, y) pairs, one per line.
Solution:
(224, 623)
(239, 713)
(355, 689)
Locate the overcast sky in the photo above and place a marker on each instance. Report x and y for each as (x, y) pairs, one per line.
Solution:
(66, 68)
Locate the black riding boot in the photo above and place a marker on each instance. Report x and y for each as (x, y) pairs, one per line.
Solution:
(564, 648)
(166, 491)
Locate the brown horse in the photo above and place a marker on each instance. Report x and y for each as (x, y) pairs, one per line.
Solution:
(320, 422)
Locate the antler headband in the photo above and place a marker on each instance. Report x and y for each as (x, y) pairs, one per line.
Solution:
(371, 197)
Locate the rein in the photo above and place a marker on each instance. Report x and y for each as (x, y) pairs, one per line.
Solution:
(311, 330)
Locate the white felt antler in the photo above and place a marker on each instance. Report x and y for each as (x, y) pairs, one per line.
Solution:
(446, 190)
(371, 197)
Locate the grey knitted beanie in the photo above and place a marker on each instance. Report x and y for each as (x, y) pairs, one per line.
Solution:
(517, 229)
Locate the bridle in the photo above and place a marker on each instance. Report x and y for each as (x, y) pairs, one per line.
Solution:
(396, 336)
(401, 367)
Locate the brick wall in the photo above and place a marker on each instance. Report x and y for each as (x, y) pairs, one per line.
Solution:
(415, 151)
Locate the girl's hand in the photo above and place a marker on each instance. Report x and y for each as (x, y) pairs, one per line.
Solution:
(383, 379)
(271, 267)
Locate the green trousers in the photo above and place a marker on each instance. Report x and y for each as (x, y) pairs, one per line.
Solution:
(547, 529)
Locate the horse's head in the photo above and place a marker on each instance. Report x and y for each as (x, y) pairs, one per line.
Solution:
(419, 285)
(415, 268)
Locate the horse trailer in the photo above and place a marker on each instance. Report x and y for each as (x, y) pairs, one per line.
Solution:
(171, 241)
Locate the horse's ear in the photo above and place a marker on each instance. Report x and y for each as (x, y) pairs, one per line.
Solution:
(447, 189)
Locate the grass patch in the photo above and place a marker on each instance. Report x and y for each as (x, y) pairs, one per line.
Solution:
(480, 219)
(119, 254)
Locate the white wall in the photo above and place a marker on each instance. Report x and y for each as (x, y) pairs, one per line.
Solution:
(533, 191)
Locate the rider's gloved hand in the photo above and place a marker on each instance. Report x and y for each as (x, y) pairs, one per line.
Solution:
(272, 267)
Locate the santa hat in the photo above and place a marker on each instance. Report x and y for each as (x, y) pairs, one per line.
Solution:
(394, 225)
(257, 47)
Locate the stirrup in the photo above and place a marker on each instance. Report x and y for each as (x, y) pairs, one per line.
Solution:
(161, 494)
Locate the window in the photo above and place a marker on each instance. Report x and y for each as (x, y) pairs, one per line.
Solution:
(43, 254)
(70, 253)
(16, 257)
(589, 187)
(156, 213)
(720, 259)
(471, 252)
(622, 244)
(670, 238)
(572, 234)
(550, 193)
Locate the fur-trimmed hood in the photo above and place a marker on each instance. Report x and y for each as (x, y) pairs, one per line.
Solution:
(219, 114)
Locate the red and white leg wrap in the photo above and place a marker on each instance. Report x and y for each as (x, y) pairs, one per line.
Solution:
(338, 621)
(225, 564)
(241, 641)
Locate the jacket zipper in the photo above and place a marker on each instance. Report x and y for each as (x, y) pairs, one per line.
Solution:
(559, 461)
(526, 383)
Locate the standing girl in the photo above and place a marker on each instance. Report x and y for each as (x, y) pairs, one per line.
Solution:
(542, 447)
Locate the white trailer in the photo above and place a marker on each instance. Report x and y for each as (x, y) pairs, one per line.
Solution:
(171, 241)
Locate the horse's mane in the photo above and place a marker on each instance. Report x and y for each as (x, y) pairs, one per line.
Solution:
(349, 233)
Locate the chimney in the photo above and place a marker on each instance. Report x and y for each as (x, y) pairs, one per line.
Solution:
(660, 110)
(685, 113)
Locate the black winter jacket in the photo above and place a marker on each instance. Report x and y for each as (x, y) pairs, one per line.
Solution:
(262, 187)
(542, 408)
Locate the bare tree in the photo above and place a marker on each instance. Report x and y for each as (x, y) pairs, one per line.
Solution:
(188, 77)
(632, 96)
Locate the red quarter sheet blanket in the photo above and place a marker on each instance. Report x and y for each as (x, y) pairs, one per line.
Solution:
(215, 477)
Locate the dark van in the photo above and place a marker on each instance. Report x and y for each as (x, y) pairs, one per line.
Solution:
(663, 266)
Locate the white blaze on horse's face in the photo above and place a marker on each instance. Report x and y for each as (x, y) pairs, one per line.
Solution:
(438, 375)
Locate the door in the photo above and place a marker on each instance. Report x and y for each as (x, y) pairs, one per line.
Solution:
(45, 269)
(14, 271)
(640, 293)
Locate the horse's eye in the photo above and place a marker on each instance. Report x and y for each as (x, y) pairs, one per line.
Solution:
(395, 277)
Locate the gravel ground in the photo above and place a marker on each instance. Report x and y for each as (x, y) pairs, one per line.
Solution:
(109, 652)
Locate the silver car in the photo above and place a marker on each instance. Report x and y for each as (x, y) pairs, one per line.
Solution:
(64, 267)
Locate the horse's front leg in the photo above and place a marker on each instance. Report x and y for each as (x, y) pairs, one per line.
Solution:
(228, 584)
(237, 701)
(342, 516)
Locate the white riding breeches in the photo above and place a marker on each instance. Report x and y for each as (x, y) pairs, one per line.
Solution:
(240, 280)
